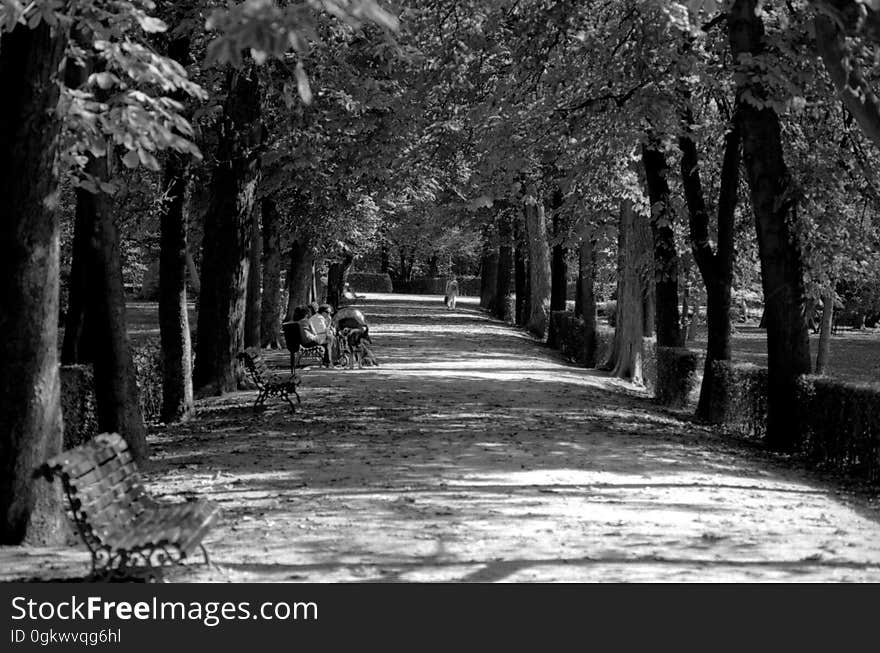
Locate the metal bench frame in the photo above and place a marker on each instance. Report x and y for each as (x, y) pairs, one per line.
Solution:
(127, 532)
(269, 384)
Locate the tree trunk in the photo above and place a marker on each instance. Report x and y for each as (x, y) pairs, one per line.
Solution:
(336, 279)
(299, 278)
(177, 390)
(30, 410)
(116, 391)
(226, 242)
(174, 262)
(586, 292)
(824, 353)
(716, 268)
(539, 266)
(270, 313)
(667, 319)
(635, 266)
(774, 200)
(99, 298)
(521, 276)
(489, 272)
(558, 266)
(253, 307)
(504, 278)
(385, 259)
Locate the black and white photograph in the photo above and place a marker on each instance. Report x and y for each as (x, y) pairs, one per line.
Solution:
(435, 292)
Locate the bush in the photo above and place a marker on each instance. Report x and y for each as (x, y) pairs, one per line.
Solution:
(678, 375)
(370, 282)
(840, 424)
(568, 336)
(78, 404)
(739, 398)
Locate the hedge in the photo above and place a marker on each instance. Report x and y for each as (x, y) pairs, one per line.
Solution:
(739, 398)
(568, 332)
(678, 371)
(78, 404)
(467, 286)
(370, 282)
(78, 393)
(840, 424)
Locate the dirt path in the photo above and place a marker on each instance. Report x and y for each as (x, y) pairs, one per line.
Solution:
(475, 454)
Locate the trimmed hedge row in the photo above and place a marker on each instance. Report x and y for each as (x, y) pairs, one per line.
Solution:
(370, 282)
(739, 398)
(467, 286)
(78, 404)
(678, 375)
(840, 424)
(568, 332)
(671, 373)
(78, 393)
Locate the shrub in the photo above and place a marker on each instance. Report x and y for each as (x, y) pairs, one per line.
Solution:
(678, 375)
(739, 398)
(78, 404)
(568, 335)
(370, 282)
(840, 424)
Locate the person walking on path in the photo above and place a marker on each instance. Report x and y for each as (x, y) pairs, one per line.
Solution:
(451, 293)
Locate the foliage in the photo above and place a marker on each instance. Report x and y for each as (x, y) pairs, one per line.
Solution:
(739, 398)
(369, 282)
(840, 425)
(678, 375)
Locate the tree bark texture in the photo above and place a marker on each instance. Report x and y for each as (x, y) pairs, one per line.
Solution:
(716, 267)
(226, 241)
(667, 319)
(521, 276)
(586, 294)
(253, 307)
(774, 200)
(824, 353)
(489, 271)
(270, 311)
(539, 267)
(177, 388)
(504, 278)
(174, 265)
(336, 279)
(635, 266)
(558, 265)
(30, 410)
(299, 278)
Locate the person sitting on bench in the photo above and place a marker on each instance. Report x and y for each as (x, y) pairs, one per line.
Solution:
(302, 317)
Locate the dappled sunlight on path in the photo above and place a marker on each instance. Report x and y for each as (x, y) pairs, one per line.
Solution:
(474, 453)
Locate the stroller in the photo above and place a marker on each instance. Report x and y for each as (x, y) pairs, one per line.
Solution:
(352, 339)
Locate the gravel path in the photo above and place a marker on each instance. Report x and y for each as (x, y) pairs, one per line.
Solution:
(474, 453)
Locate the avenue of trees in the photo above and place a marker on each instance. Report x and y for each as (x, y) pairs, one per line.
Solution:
(667, 150)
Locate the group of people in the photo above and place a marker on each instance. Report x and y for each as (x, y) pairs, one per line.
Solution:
(346, 329)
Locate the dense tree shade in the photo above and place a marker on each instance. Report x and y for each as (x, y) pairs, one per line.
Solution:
(660, 154)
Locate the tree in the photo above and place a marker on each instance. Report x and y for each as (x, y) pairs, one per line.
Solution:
(226, 242)
(539, 264)
(30, 413)
(774, 199)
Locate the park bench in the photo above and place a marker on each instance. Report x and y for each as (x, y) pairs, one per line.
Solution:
(269, 384)
(128, 532)
(300, 355)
